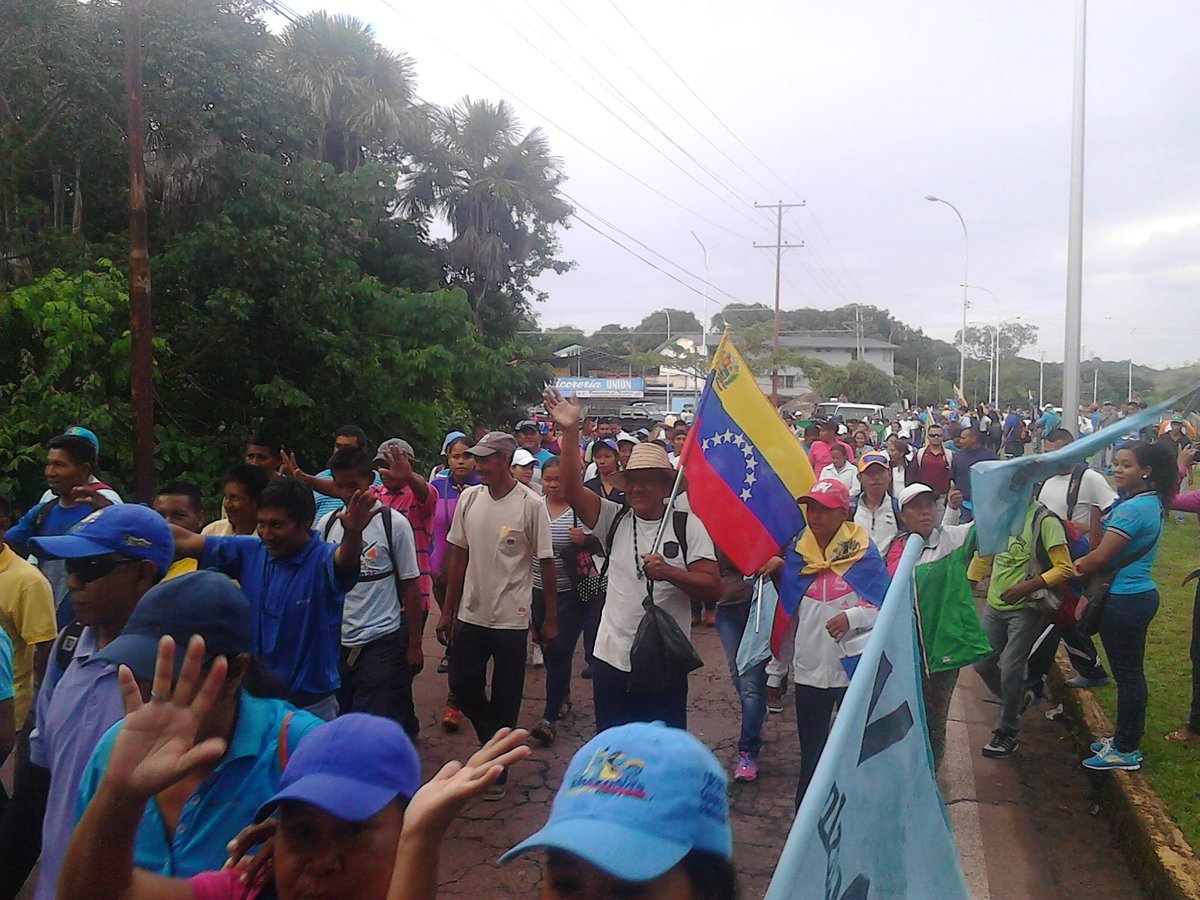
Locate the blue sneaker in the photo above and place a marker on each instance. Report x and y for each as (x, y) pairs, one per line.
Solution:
(1112, 758)
(1080, 682)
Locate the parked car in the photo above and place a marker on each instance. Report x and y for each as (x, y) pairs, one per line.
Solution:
(642, 409)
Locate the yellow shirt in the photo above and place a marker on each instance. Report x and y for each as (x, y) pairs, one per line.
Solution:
(181, 567)
(27, 614)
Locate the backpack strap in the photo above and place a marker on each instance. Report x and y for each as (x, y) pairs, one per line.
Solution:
(42, 515)
(610, 537)
(1073, 488)
(679, 520)
(386, 515)
(65, 644)
(329, 527)
(895, 506)
(283, 740)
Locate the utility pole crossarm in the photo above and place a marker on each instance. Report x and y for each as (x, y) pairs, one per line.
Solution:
(779, 246)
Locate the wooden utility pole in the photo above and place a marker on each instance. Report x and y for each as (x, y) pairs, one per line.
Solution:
(140, 329)
(779, 246)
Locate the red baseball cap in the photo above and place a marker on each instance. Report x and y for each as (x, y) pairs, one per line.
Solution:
(830, 493)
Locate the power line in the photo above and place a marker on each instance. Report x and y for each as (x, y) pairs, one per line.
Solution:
(746, 215)
(637, 110)
(569, 134)
(650, 249)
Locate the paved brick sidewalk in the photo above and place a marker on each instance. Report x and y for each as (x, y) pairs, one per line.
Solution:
(762, 812)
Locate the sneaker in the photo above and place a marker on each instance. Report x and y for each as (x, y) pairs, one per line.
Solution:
(536, 657)
(1104, 745)
(587, 672)
(1112, 758)
(747, 768)
(1001, 746)
(452, 720)
(444, 666)
(775, 698)
(1080, 682)
(543, 732)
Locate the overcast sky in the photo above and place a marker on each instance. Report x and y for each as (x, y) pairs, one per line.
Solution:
(860, 110)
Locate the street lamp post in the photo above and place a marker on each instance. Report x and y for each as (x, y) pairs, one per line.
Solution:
(667, 313)
(703, 323)
(962, 344)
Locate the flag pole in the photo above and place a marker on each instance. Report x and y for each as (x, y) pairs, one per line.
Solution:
(662, 526)
(758, 606)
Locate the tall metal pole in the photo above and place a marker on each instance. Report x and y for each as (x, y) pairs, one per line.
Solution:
(962, 343)
(1130, 380)
(1074, 312)
(1042, 379)
(667, 313)
(779, 246)
(703, 322)
(917, 386)
(140, 328)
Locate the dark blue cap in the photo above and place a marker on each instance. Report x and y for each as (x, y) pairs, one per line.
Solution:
(351, 767)
(204, 603)
(135, 532)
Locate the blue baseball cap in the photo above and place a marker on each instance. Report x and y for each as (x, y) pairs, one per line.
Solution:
(87, 433)
(351, 767)
(134, 531)
(205, 603)
(635, 800)
(451, 437)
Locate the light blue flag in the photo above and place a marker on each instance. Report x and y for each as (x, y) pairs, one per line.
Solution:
(756, 639)
(872, 823)
(1001, 491)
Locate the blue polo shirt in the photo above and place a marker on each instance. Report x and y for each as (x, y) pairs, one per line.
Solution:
(75, 707)
(225, 802)
(6, 669)
(1140, 520)
(296, 605)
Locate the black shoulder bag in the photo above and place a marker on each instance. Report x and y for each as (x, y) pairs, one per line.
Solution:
(660, 649)
(1089, 611)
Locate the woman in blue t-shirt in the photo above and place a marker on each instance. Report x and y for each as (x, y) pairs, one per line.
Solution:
(1146, 481)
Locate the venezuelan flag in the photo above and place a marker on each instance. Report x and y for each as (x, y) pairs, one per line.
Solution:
(745, 467)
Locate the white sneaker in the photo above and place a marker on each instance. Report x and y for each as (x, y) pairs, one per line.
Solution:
(536, 657)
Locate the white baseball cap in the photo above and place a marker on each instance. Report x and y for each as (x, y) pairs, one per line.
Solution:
(913, 490)
(523, 458)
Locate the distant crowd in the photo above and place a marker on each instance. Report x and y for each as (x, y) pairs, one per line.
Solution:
(213, 678)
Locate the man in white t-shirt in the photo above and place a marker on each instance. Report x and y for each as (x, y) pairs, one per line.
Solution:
(499, 532)
(1080, 495)
(682, 569)
(382, 620)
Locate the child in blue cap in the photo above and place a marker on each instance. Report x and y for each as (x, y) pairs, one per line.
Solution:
(642, 812)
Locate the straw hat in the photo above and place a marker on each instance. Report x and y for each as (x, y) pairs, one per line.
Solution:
(644, 457)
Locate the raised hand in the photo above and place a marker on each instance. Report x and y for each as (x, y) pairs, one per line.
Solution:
(399, 466)
(89, 496)
(156, 746)
(290, 468)
(358, 512)
(565, 411)
(443, 797)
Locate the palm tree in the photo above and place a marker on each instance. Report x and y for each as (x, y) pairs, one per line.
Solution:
(362, 92)
(498, 189)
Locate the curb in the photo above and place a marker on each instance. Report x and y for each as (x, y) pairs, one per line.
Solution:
(1160, 855)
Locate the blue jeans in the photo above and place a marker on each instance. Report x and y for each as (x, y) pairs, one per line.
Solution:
(560, 654)
(751, 687)
(1123, 634)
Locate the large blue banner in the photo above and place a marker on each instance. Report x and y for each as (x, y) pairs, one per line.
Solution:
(873, 823)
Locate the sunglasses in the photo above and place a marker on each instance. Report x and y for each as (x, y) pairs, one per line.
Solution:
(89, 569)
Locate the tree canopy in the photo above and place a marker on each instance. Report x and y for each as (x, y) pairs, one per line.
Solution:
(295, 283)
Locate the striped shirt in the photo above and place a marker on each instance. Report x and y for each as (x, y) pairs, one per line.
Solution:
(420, 517)
(560, 536)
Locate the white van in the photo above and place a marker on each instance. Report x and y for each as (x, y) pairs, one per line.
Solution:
(847, 411)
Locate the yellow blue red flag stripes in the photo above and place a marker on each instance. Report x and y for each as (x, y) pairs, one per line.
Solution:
(744, 466)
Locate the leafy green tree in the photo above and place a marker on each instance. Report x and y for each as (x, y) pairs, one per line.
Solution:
(498, 189)
(361, 93)
(859, 381)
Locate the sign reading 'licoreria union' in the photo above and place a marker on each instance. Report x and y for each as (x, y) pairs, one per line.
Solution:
(601, 387)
